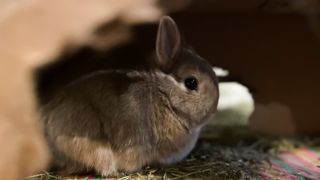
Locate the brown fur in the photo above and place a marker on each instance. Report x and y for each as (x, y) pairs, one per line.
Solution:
(125, 119)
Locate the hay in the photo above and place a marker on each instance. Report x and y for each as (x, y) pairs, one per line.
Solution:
(229, 153)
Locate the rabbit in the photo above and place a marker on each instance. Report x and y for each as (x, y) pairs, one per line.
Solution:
(121, 120)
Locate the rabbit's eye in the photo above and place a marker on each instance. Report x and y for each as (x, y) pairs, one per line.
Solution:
(191, 83)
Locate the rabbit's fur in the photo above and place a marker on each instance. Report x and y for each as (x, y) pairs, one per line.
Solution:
(121, 120)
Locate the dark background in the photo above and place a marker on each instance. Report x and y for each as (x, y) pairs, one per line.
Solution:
(276, 53)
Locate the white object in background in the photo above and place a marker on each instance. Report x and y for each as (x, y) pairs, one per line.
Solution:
(235, 104)
(234, 95)
(220, 72)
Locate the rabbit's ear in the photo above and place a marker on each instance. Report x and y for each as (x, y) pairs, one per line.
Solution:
(168, 41)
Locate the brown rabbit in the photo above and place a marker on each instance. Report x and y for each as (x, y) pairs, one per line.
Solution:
(122, 120)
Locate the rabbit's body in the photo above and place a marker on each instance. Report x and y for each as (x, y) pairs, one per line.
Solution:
(125, 119)
(134, 127)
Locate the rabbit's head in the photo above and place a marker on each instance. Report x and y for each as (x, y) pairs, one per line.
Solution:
(187, 80)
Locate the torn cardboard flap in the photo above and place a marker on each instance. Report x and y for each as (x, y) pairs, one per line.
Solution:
(33, 32)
